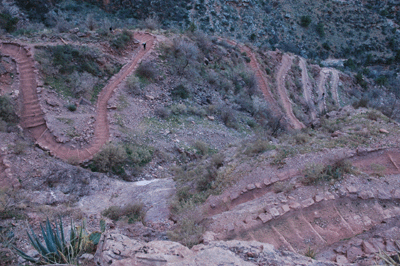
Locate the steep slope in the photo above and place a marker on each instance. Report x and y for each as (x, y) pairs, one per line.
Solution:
(319, 217)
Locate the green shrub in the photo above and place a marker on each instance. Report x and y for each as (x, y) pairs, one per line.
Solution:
(189, 228)
(228, 117)
(382, 80)
(350, 64)
(56, 249)
(110, 158)
(133, 85)
(146, 70)
(360, 80)
(8, 22)
(163, 112)
(201, 147)
(320, 29)
(258, 146)
(7, 110)
(71, 107)
(317, 173)
(305, 21)
(326, 46)
(139, 155)
(180, 92)
(121, 40)
(179, 109)
(133, 212)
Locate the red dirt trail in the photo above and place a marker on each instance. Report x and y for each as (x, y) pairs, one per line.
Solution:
(32, 116)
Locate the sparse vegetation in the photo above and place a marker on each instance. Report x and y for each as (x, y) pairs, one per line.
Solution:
(316, 173)
(258, 146)
(132, 212)
(75, 71)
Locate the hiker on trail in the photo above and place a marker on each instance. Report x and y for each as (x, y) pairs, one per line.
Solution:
(111, 29)
(144, 45)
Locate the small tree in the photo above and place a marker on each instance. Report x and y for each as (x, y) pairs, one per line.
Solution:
(320, 29)
(305, 21)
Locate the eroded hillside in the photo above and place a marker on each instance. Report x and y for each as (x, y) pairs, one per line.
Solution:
(196, 139)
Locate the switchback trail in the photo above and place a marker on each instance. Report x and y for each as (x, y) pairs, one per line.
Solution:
(32, 116)
(307, 87)
(287, 106)
(322, 89)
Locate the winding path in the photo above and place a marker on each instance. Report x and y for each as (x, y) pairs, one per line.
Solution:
(307, 87)
(262, 82)
(322, 90)
(261, 79)
(287, 106)
(32, 116)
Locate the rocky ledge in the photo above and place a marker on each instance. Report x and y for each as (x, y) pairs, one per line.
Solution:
(116, 250)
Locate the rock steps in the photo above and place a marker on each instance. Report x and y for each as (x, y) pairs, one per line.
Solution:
(292, 222)
(33, 119)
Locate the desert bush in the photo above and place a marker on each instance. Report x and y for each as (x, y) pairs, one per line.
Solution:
(133, 212)
(330, 125)
(133, 85)
(184, 53)
(163, 112)
(373, 115)
(19, 147)
(197, 110)
(201, 147)
(71, 107)
(311, 253)
(180, 92)
(189, 228)
(301, 138)
(258, 146)
(305, 21)
(7, 240)
(151, 23)
(91, 22)
(204, 42)
(382, 80)
(146, 70)
(228, 117)
(320, 29)
(360, 80)
(179, 109)
(316, 173)
(138, 155)
(7, 110)
(8, 22)
(121, 40)
(3, 125)
(363, 102)
(110, 158)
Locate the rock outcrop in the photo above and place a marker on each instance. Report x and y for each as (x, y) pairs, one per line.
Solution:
(116, 249)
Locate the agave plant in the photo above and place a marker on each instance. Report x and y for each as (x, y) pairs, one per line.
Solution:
(56, 249)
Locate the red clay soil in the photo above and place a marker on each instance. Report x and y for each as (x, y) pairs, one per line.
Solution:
(32, 116)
